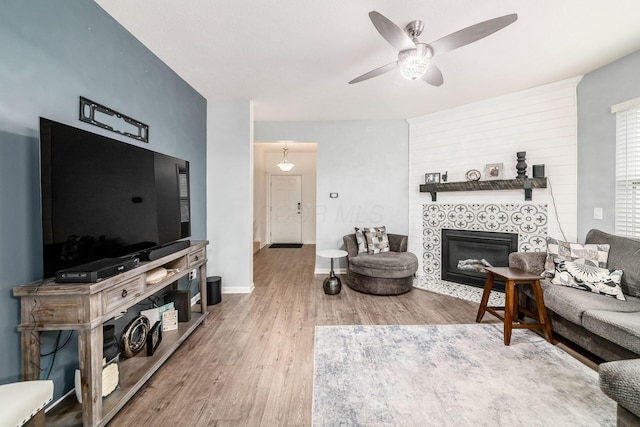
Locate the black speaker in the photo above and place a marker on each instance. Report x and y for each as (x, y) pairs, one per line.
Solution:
(538, 171)
(182, 302)
(158, 252)
(214, 290)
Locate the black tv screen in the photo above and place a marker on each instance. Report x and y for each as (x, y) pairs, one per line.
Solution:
(103, 198)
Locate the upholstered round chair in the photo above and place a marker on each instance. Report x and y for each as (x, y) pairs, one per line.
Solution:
(386, 273)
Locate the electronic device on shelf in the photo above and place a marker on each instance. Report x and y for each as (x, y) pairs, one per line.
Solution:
(157, 252)
(95, 271)
(103, 198)
(154, 338)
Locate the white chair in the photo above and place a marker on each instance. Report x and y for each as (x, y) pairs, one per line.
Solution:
(24, 402)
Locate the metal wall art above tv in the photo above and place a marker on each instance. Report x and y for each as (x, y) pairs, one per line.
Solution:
(103, 198)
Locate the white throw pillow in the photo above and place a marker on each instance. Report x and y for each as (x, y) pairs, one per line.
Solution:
(589, 278)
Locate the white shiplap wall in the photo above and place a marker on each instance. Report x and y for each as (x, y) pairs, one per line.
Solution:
(541, 121)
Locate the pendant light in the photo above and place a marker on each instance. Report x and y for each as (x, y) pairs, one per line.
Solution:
(285, 165)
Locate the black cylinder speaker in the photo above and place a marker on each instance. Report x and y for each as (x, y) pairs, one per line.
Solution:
(538, 171)
(214, 290)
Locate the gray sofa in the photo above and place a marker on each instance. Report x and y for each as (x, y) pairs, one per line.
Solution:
(620, 380)
(386, 273)
(605, 326)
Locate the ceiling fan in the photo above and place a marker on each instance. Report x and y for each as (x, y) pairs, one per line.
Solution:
(414, 57)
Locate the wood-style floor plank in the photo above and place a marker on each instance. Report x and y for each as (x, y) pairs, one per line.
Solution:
(252, 363)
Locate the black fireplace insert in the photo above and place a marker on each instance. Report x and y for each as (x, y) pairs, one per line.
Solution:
(465, 254)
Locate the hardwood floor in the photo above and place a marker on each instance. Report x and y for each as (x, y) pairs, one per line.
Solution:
(252, 363)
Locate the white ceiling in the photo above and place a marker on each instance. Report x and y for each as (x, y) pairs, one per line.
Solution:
(293, 58)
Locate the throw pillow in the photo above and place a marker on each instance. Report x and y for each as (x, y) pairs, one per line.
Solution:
(377, 239)
(589, 278)
(362, 241)
(593, 254)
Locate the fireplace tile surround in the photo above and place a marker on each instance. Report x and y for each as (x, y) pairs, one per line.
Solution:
(529, 221)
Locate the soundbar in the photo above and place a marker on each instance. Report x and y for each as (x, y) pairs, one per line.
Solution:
(157, 252)
(95, 271)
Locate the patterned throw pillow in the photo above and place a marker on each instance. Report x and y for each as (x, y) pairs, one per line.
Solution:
(595, 255)
(377, 239)
(362, 241)
(588, 278)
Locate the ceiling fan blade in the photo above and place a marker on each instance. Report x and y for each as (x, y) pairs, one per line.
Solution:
(374, 73)
(471, 34)
(391, 32)
(433, 76)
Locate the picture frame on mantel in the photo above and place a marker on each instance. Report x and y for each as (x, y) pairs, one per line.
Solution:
(494, 171)
(432, 178)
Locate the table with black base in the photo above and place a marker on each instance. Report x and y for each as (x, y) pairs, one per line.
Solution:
(513, 278)
(332, 284)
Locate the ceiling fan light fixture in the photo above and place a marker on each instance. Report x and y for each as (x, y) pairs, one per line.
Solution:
(413, 63)
(285, 165)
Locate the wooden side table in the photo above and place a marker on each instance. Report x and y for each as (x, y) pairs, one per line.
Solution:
(514, 277)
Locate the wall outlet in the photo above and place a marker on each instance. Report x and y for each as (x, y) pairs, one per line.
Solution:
(193, 274)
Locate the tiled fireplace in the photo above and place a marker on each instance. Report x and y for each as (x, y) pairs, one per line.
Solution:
(528, 221)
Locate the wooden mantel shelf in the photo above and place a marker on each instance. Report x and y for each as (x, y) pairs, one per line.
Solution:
(498, 184)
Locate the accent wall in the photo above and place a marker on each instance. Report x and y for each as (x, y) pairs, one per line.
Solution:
(53, 53)
(540, 121)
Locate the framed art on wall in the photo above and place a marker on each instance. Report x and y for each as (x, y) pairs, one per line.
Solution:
(432, 178)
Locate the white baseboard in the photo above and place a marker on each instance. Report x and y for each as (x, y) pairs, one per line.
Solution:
(341, 270)
(54, 404)
(238, 289)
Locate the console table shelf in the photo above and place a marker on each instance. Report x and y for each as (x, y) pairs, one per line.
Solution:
(499, 184)
(47, 305)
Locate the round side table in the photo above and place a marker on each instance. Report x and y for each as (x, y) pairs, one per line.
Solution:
(332, 284)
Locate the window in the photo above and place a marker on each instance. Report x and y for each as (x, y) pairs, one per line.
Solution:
(627, 168)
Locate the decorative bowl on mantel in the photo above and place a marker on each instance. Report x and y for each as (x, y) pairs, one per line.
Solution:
(473, 175)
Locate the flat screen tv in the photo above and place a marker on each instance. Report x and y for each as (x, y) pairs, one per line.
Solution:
(103, 198)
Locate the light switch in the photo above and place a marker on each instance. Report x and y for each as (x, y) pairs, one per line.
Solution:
(333, 195)
(597, 213)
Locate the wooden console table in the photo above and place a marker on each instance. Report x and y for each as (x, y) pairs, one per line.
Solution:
(47, 305)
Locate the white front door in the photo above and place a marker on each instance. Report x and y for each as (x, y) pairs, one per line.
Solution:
(286, 212)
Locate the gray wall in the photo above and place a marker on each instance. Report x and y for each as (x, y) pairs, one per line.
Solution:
(365, 162)
(230, 197)
(597, 92)
(52, 53)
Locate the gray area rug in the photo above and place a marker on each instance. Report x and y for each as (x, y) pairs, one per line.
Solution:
(450, 375)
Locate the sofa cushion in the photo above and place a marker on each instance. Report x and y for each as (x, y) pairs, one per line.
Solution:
(620, 328)
(624, 255)
(377, 239)
(571, 303)
(592, 254)
(391, 265)
(588, 278)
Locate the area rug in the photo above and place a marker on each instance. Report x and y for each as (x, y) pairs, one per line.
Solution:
(450, 375)
(458, 290)
(286, 245)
